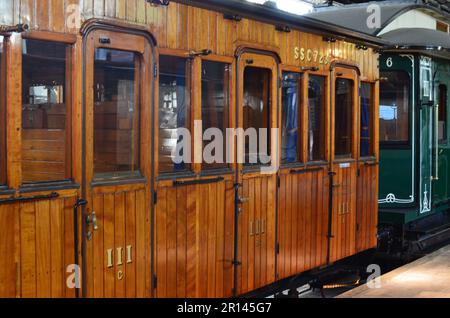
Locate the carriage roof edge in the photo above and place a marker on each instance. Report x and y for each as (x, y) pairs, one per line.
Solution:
(274, 16)
(420, 40)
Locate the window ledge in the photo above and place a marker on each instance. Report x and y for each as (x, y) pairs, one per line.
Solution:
(50, 186)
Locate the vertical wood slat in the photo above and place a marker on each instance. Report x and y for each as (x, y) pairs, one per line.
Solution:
(37, 232)
(302, 236)
(192, 239)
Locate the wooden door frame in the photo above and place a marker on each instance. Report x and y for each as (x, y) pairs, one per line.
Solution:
(262, 57)
(352, 72)
(146, 44)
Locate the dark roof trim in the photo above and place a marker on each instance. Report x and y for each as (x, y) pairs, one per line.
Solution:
(425, 50)
(273, 16)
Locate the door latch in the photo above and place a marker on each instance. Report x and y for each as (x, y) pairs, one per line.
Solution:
(92, 220)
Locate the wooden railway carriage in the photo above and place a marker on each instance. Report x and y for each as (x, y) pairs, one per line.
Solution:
(93, 96)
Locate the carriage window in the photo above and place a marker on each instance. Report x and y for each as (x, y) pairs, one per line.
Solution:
(215, 111)
(116, 114)
(174, 111)
(443, 104)
(2, 113)
(317, 120)
(257, 115)
(290, 116)
(45, 112)
(343, 117)
(395, 89)
(366, 134)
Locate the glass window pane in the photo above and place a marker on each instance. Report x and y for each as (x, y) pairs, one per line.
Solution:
(317, 120)
(257, 114)
(116, 114)
(2, 114)
(215, 108)
(343, 117)
(174, 110)
(291, 98)
(45, 135)
(395, 92)
(443, 104)
(366, 120)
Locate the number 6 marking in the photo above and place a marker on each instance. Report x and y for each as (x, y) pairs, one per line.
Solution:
(389, 62)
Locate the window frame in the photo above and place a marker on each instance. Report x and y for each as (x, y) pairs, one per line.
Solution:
(326, 105)
(302, 114)
(70, 100)
(3, 121)
(406, 144)
(373, 117)
(228, 167)
(99, 178)
(443, 93)
(193, 112)
(347, 74)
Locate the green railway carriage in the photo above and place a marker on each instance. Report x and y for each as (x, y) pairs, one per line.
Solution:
(414, 141)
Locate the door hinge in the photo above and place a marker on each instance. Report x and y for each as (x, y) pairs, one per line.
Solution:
(155, 197)
(278, 182)
(359, 173)
(155, 70)
(277, 248)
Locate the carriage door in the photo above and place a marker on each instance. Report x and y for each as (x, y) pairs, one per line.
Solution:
(257, 111)
(116, 225)
(344, 166)
(426, 118)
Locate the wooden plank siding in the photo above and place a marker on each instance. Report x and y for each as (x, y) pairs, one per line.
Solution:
(343, 240)
(194, 240)
(256, 238)
(367, 208)
(302, 221)
(182, 27)
(123, 223)
(38, 247)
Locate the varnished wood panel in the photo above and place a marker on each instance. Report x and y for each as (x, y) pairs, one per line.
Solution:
(302, 222)
(194, 235)
(38, 246)
(182, 27)
(343, 240)
(256, 238)
(123, 219)
(367, 208)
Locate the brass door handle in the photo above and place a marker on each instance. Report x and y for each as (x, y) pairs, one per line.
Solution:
(92, 220)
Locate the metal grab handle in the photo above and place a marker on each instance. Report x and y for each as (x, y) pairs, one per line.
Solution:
(436, 143)
(51, 196)
(252, 232)
(263, 226)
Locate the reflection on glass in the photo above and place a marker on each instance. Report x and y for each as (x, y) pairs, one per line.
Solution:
(291, 99)
(174, 108)
(366, 120)
(395, 91)
(45, 141)
(343, 117)
(316, 108)
(116, 114)
(257, 113)
(215, 106)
